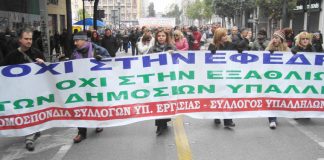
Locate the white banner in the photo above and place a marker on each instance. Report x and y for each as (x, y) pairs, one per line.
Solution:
(157, 22)
(119, 91)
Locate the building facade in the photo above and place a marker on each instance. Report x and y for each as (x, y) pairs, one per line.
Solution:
(16, 14)
(127, 11)
(56, 10)
(307, 16)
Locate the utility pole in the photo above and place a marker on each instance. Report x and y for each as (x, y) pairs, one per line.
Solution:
(69, 25)
(119, 14)
(44, 29)
(284, 22)
(308, 14)
(114, 16)
(83, 15)
(95, 14)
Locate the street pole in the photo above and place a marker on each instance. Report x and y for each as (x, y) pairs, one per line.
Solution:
(95, 14)
(83, 15)
(44, 30)
(284, 22)
(69, 25)
(114, 16)
(119, 14)
(308, 14)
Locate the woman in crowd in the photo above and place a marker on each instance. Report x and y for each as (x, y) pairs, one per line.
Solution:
(317, 42)
(277, 43)
(221, 42)
(162, 44)
(169, 31)
(181, 42)
(144, 44)
(303, 43)
(95, 38)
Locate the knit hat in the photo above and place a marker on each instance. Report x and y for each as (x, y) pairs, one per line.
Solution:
(280, 34)
(80, 36)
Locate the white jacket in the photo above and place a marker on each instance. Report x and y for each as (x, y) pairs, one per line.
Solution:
(143, 49)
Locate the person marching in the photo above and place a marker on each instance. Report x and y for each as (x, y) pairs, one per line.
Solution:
(25, 53)
(85, 49)
(221, 42)
(277, 43)
(162, 44)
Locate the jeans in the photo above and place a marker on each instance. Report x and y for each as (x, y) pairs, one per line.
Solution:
(272, 119)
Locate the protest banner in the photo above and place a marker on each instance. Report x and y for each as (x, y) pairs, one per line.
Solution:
(120, 91)
(157, 22)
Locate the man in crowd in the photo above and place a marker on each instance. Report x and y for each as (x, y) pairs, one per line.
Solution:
(110, 43)
(243, 40)
(85, 49)
(25, 53)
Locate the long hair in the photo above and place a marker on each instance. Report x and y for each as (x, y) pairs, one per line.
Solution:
(167, 41)
(283, 46)
(219, 33)
(146, 38)
(95, 39)
(303, 35)
(179, 33)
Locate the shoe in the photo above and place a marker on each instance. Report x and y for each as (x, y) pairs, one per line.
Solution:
(98, 130)
(30, 146)
(37, 135)
(78, 138)
(230, 124)
(159, 130)
(217, 121)
(273, 125)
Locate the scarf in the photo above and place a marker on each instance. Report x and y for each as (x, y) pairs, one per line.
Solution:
(84, 52)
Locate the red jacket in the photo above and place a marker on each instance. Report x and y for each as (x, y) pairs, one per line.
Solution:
(197, 37)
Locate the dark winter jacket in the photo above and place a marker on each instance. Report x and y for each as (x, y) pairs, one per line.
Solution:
(111, 44)
(296, 49)
(16, 57)
(242, 44)
(161, 48)
(318, 45)
(227, 46)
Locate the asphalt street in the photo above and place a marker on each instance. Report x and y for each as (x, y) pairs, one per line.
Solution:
(251, 139)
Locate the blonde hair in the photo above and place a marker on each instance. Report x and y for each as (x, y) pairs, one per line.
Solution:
(283, 46)
(178, 32)
(304, 35)
(219, 33)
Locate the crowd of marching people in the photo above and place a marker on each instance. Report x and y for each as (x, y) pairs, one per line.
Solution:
(26, 46)
(138, 40)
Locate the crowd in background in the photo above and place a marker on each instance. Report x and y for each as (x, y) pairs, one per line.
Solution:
(139, 40)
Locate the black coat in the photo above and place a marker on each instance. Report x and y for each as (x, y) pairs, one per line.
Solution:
(296, 49)
(317, 45)
(158, 48)
(134, 37)
(16, 57)
(242, 44)
(227, 46)
(111, 44)
(1, 56)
